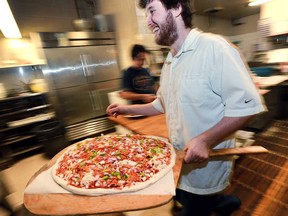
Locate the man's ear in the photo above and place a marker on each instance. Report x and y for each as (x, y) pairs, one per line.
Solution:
(177, 11)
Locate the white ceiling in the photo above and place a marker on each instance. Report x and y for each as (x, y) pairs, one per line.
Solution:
(232, 9)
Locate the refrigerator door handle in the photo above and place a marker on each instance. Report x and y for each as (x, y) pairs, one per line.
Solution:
(84, 64)
(92, 101)
(96, 101)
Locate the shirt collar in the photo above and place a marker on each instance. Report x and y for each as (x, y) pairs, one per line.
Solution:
(189, 44)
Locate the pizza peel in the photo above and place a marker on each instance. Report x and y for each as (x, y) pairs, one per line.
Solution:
(232, 151)
(238, 151)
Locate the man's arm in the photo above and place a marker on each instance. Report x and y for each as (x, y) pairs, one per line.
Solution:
(128, 95)
(136, 109)
(197, 149)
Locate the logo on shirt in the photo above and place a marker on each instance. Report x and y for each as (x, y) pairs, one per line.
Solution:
(247, 101)
(142, 83)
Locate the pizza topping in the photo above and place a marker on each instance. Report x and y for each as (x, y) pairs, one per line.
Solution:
(113, 161)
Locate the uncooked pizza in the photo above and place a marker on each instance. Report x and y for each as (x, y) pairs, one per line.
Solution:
(113, 164)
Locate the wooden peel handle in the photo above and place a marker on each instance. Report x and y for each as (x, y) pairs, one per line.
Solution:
(238, 151)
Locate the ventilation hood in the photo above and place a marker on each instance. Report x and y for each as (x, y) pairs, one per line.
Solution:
(273, 18)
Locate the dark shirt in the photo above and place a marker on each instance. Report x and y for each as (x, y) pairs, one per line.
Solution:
(138, 81)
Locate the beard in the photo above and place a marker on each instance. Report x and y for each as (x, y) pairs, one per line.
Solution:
(168, 32)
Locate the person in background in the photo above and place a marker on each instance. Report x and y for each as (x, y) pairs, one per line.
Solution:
(137, 83)
(207, 94)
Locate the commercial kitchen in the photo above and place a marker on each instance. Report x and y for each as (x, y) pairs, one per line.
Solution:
(64, 67)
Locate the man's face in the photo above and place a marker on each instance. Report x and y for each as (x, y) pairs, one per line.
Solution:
(161, 22)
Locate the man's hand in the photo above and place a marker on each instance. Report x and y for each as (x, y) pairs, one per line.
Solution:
(114, 110)
(197, 151)
(147, 98)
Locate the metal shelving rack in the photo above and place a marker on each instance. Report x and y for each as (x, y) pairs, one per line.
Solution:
(17, 139)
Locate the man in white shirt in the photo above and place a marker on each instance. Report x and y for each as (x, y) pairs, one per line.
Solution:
(206, 94)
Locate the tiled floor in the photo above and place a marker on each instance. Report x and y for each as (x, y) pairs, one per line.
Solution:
(17, 176)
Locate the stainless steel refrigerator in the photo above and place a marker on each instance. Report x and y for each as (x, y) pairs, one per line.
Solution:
(82, 67)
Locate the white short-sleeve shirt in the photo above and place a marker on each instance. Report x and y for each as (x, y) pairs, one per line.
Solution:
(204, 82)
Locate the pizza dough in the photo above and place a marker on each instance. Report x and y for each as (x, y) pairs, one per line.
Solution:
(113, 164)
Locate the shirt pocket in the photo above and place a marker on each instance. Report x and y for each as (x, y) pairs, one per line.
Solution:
(192, 90)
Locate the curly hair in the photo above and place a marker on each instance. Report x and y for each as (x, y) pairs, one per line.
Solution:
(187, 11)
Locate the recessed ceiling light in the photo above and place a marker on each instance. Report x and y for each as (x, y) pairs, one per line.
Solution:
(8, 24)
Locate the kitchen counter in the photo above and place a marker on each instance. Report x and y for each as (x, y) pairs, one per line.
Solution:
(271, 89)
(157, 124)
(270, 81)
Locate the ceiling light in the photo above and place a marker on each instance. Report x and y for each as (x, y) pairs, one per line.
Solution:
(8, 24)
(258, 2)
